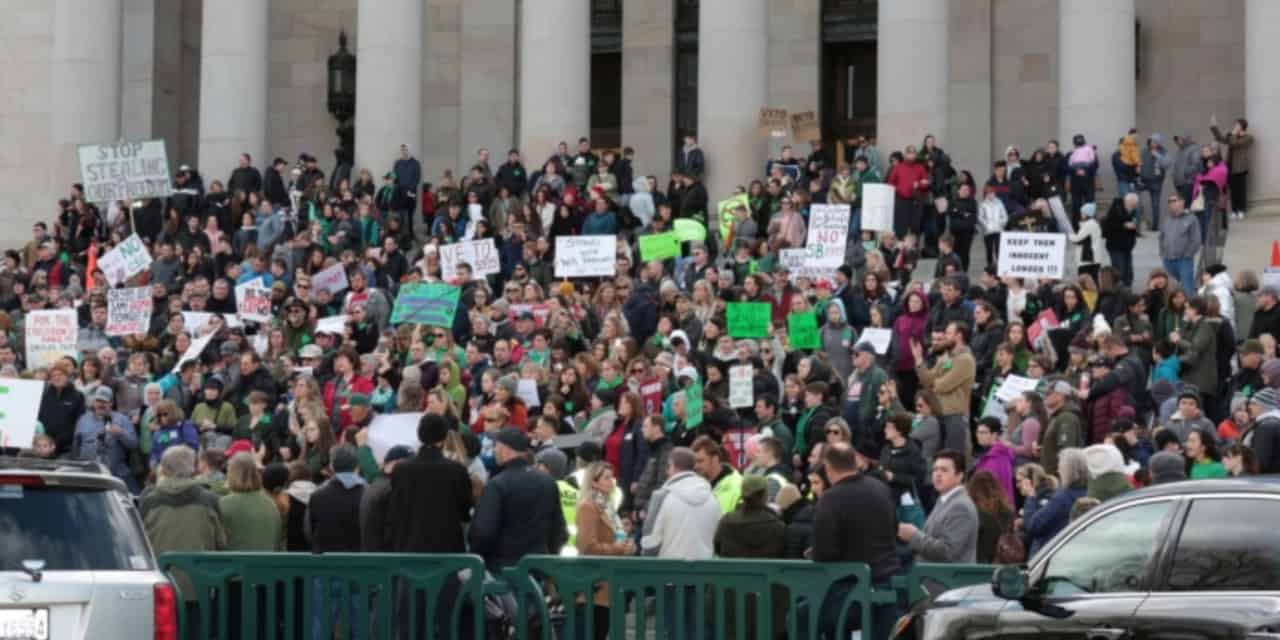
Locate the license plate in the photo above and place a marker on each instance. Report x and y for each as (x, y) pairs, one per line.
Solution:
(24, 624)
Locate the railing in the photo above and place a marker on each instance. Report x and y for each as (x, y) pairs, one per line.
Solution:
(249, 596)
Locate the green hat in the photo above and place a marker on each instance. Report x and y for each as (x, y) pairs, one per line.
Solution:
(752, 484)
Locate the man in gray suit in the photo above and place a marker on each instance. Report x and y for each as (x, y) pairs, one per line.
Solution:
(951, 533)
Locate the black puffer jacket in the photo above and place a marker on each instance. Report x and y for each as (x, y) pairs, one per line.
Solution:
(799, 519)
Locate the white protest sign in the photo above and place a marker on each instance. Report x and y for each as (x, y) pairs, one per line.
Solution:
(332, 279)
(800, 264)
(19, 408)
(481, 254)
(879, 339)
(1013, 386)
(527, 390)
(1271, 277)
(128, 311)
(828, 233)
(585, 256)
(393, 429)
(124, 170)
(877, 207)
(197, 347)
(50, 335)
(260, 343)
(334, 325)
(194, 321)
(123, 262)
(741, 394)
(1032, 255)
(231, 320)
(253, 301)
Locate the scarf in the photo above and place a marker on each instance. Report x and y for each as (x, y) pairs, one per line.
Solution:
(801, 443)
(601, 501)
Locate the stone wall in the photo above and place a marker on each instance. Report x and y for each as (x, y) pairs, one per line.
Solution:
(441, 91)
(794, 63)
(648, 91)
(487, 116)
(970, 92)
(26, 156)
(1024, 77)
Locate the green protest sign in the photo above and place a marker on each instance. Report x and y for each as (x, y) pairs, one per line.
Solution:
(748, 319)
(690, 230)
(659, 246)
(727, 206)
(429, 303)
(693, 405)
(802, 331)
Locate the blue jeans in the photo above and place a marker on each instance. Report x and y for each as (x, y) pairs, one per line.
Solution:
(324, 619)
(855, 223)
(1155, 190)
(1183, 270)
(1123, 263)
(1123, 188)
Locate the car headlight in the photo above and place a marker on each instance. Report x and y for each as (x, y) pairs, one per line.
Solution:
(902, 625)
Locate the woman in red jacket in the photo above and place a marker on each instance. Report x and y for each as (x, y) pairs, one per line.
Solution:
(1104, 411)
(346, 382)
(910, 180)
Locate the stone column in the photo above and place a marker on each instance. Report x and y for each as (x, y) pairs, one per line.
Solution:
(487, 60)
(795, 65)
(1262, 97)
(912, 73)
(555, 76)
(1096, 76)
(388, 82)
(233, 85)
(85, 73)
(732, 87)
(648, 87)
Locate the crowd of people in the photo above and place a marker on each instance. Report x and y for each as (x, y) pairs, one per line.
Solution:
(847, 452)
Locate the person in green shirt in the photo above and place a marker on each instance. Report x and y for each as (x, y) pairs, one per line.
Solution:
(1202, 456)
(252, 521)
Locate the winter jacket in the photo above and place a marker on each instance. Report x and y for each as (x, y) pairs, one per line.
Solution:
(93, 442)
(1108, 485)
(1043, 522)
(429, 503)
(952, 379)
(654, 473)
(1155, 164)
(751, 534)
(1000, 461)
(1186, 163)
(856, 521)
(333, 514)
(252, 522)
(1264, 321)
(861, 400)
(908, 466)
(519, 514)
(1119, 238)
(1092, 233)
(59, 410)
(182, 515)
(799, 536)
(837, 342)
(1198, 348)
(684, 525)
(1064, 431)
(1264, 439)
(1238, 148)
(1179, 236)
(904, 177)
(1104, 410)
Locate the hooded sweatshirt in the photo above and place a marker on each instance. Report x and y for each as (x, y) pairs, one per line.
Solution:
(1179, 236)
(837, 341)
(641, 201)
(685, 521)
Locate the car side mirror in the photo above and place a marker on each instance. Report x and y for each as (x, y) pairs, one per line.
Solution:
(1010, 583)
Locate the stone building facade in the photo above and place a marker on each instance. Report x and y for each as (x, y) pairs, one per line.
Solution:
(217, 77)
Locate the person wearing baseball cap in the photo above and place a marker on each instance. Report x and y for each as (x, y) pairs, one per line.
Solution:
(1266, 318)
(519, 512)
(863, 397)
(1248, 379)
(106, 436)
(1264, 437)
(1066, 428)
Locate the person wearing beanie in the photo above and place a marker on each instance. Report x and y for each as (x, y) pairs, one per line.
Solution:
(1167, 467)
(1264, 436)
(430, 498)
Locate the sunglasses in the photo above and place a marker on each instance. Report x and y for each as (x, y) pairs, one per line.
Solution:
(833, 432)
(637, 371)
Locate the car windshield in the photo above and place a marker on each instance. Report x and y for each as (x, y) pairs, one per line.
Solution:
(70, 529)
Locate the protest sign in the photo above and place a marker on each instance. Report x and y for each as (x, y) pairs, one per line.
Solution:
(804, 126)
(1032, 255)
(19, 408)
(481, 255)
(124, 170)
(231, 320)
(128, 311)
(659, 246)
(748, 319)
(693, 405)
(800, 264)
(689, 230)
(50, 335)
(586, 256)
(802, 330)
(429, 303)
(332, 279)
(773, 122)
(253, 301)
(527, 390)
(391, 429)
(828, 234)
(1013, 386)
(197, 347)
(877, 207)
(727, 206)
(879, 339)
(741, 394)
(335, 325)
(123, 262)
(194, 321)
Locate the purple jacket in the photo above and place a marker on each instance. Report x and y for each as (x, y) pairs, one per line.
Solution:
(999, 461)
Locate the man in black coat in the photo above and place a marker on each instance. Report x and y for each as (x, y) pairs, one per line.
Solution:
(276, 192)
(430, 498)
(1266, 319)
(246, 177)
(512, 174)
(60, 407)
(333, 513)
(519, 513)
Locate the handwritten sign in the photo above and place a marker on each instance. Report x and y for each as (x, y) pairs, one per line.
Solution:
(586, 256)
(335, 325)
(748, 319)
(194, 321)
(128, 311)
(659, 246)
(253, 301)
(332, 279)
(197, 347)
(773, 122)
(482, 255)
(1013, 386)
(1032, 255)
(741, 393)
(799, 264)
(877, 207)
(430, 303)
(124, 170)
(123, 262)
(828, 234)
(879, 339)
(50, 335)
(804, 126)
(802, 331)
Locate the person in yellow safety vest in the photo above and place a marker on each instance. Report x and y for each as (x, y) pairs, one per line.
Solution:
(726, 482)
(555, 463)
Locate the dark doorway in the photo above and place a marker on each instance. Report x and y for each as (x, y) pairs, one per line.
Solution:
(686, 71)
(606, 74)
(848, 81)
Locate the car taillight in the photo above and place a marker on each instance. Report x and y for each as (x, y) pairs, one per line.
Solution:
(165, 611)
(23, 481)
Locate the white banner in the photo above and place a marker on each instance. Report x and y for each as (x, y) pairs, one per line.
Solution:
(391, 429)
(50, 335)
(128, 311)
(253, 301)
(19, 409)
(1013, 386)
(877, 207)
(123, 262)
(197, 347)
(879, 339)
(332, 279)
(828, 234)
(741, 393)
(334, 325)
(1032, 255)
(124, 170)
(586, 256)
(482, 255)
